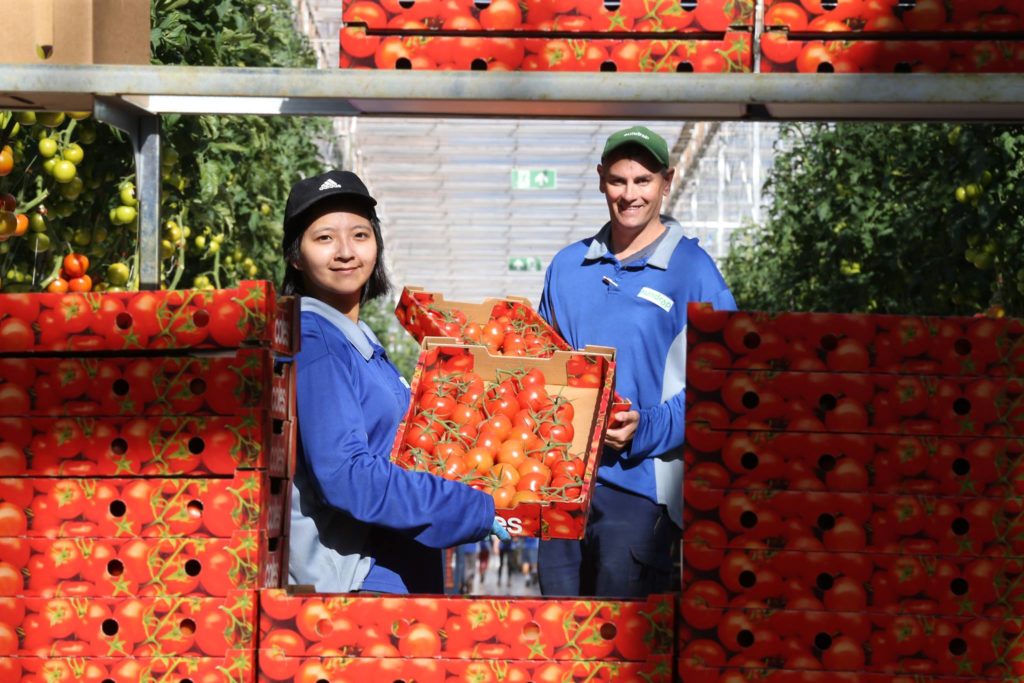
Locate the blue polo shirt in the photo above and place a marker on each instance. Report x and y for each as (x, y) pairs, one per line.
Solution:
(640, 309)
(359, 521)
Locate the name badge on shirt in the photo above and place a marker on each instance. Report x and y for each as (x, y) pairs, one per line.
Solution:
(656, 298)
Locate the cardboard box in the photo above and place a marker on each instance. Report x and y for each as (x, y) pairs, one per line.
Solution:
(998, 16)
(213, 446)
(236, 667)
(851, 343)
(583, 380)
(123, 567)
(133, 627)
(144, 507)
(470, 628)
(75, 32)
(368, 48)
(227, 383)
(91, 322)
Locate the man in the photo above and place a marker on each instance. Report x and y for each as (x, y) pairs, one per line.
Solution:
(628, 287)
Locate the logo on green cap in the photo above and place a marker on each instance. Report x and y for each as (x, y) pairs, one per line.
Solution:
(642, 136)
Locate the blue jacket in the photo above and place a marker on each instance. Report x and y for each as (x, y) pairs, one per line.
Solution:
(358, 521)
(640, 309)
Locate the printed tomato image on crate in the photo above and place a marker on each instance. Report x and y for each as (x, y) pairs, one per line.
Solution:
(847, 54)
(588, 16)
(147, 446)
(857, 463)
(837, 16)
(854, 404)
(909, 578)
(249, 315)
(467, 628)
(147, 507)
(506, 326)
(122, 567)
(164, 626)
(754, 635)
(526, 430)
(850, 343)
(235, 667)
(860, 522)
(231, 384)
(730, 52)
(274, 666)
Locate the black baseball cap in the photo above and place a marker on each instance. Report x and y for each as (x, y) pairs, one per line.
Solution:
(311, 191)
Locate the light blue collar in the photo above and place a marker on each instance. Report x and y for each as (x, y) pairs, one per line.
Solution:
(358, 334)
(662, 254)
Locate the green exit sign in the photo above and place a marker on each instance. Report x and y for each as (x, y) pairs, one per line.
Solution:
(534, 179)
(523, 264)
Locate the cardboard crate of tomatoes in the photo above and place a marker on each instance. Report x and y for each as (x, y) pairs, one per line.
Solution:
(467, 628)
(88, 322)
(116, 567)
(212, 446)
(425, 50)
(920, 16)
(235, 667)
(526, 430)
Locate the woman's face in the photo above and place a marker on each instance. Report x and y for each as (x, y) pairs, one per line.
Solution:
(337, 255)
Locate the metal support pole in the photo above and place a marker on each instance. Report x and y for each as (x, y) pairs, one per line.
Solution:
(143, 129)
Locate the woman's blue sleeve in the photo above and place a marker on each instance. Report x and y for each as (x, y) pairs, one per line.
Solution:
(436, 512)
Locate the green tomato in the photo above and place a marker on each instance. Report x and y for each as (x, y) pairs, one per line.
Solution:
(50, 119)
(36, 222)
(214, 247)
(113, 217)
(127, 195)
(973, 190)
(961, 194)
(38, 242)
(86, 135)
(49, 165)
(47, 147)
(72, 189)
(166, 249)
(82, 237)
(64, 171)
(25, 118)
(200, 242)
(117, 274)
(986, 178)
(126, 214)
(63, 209)
(73, 153)
(99, 234)
(79, 115)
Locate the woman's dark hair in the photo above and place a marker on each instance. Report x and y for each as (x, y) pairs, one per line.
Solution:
(378, 285)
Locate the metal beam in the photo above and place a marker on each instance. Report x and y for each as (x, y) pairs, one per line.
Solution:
(168, 89)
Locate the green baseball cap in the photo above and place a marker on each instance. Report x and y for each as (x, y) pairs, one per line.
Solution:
(638, 135)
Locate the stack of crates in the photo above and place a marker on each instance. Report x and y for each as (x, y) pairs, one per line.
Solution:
(851, 36)
(852, 498)
(145, 448)
(709, 36)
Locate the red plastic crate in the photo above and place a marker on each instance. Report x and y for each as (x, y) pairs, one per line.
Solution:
(853, 404)
(858, 522)
(233, 383)
(236, 667)
(851, 343)
(584, 379)
(593, 16)
(861, 463)
(249, 315)
(130, 627)
(122, 567)
(146, 507)
(430, 51)
(962, 16)
(846, 54)
(145, 446)
(904, 580)
(468, 628)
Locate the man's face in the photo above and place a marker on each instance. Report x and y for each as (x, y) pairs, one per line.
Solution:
(634, 186)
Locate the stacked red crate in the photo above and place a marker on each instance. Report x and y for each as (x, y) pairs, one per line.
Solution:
(568, 35)
(357, 639)
(145, 442)
(853, 36)
(852, 497)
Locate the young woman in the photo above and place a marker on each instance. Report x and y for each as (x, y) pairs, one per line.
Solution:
(358, 522)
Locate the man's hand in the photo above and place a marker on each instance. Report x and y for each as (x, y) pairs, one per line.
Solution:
(622, 429)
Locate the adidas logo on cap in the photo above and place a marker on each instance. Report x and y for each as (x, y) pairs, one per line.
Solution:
(329, 184)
